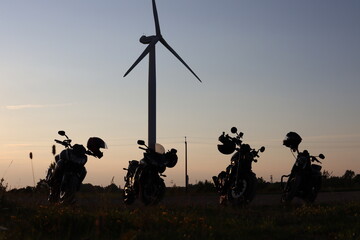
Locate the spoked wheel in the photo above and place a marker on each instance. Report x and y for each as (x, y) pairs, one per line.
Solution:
(244, 192)
(236, 192)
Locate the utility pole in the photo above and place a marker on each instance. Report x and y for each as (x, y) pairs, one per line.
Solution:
(186, 174)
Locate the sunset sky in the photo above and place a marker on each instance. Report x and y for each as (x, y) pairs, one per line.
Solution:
(268, 67)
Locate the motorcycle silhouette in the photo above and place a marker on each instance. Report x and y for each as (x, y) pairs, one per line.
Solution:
(304, 181)
(237, 184)
(66, 173)
(143, 179)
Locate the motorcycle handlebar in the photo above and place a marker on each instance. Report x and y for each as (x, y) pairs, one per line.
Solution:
(315, 159)
(145, 149)
(65, 143)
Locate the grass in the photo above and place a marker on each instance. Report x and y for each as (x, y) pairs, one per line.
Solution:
(100, 216)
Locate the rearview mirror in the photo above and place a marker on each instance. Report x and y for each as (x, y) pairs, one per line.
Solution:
(262, 149)
(141, 142)
(321, 156)
(233, 130)
(61, 133)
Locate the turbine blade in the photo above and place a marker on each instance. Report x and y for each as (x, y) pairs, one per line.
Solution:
(144, 53)
(156, 18)
(178, 57)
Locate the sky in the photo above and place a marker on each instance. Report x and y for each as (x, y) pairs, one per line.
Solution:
(267, 68)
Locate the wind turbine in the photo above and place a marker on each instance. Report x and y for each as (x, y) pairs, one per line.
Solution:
(150, 49)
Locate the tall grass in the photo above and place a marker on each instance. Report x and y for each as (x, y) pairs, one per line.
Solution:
(102, 219)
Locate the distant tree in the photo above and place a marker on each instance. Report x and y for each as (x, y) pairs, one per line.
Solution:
(42, 186)
(348, 175)
(262, 184)
(206, 186)
(348, 178)
(357, 179)
(87, 187)
(326, 174)
(112, 188)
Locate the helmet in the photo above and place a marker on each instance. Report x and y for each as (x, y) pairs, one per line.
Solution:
(171, 158)
(94, 144)
(292, 140)
(228, 147)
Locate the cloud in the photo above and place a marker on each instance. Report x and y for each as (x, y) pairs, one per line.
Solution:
(27, 106)
(17, 107)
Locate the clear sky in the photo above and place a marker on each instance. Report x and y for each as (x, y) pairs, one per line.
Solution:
(268, 67)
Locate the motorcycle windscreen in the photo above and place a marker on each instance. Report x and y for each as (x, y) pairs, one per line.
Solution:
(159, 148)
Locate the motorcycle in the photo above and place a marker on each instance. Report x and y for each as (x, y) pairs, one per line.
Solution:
(143, 179)
(66, 173)
(305, 178)
(237, 184)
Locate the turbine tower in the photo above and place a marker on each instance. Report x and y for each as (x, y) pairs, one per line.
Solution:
(150, 49)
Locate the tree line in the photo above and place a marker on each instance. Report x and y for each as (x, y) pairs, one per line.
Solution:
(349, 181)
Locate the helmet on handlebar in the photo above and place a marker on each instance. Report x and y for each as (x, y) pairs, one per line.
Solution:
(94, 144)
(292, 140)
(227, 146)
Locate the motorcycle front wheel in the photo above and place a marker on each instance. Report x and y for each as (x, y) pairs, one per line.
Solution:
(68, 188)
(152, 190)
(312, 195)
(291, 189)
(244, 191)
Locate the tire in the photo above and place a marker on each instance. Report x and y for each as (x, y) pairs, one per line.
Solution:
(152, 188)
(312, 195)
(250, 191)
(69, 185)
(291, 189)
(244, 192)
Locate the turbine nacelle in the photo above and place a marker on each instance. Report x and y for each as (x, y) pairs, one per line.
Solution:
(147, 39)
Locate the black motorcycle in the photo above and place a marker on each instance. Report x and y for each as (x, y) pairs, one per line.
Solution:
(237, 184)
(304, 181)
(143, 179)
(65, 175)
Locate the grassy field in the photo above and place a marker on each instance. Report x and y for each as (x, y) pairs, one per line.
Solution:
(103, 216)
